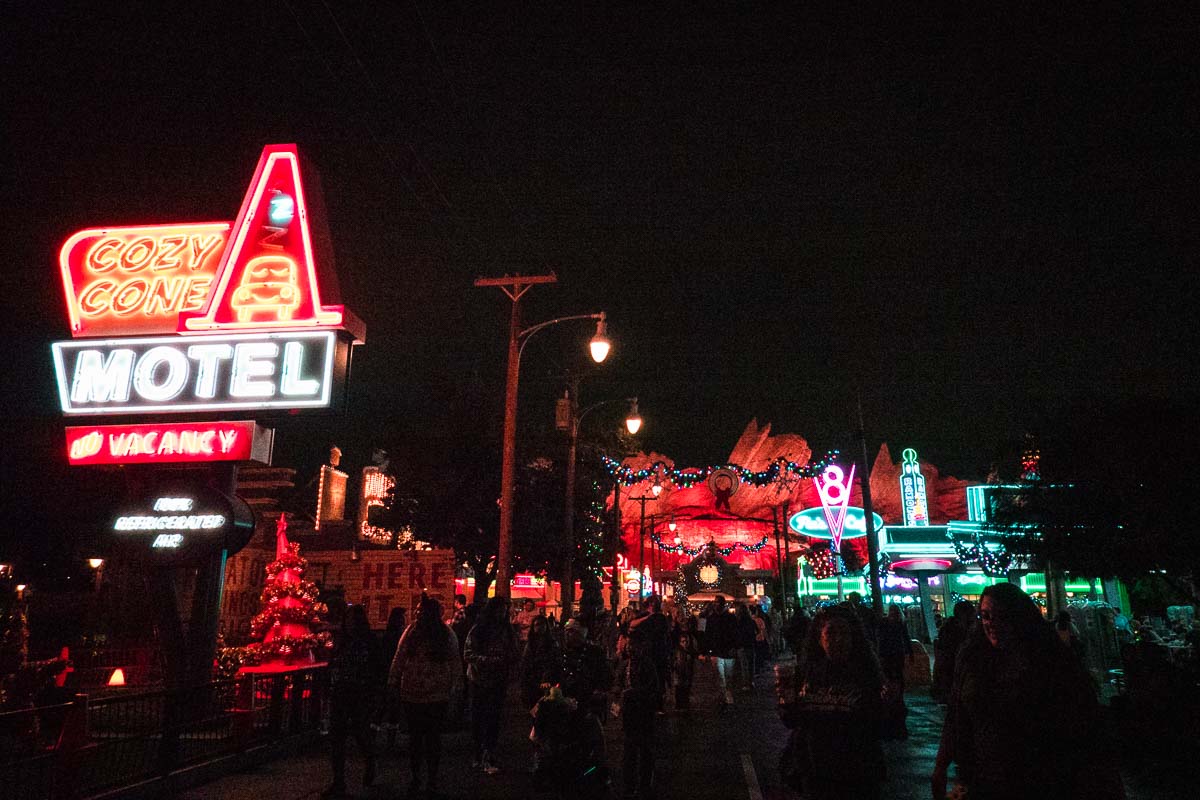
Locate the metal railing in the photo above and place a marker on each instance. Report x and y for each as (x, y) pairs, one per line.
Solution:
(84, 748)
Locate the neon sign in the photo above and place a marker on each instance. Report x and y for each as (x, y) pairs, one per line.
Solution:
(267, 277)
(210, 373)
(834, 488)
(175, 526)
(812, 522)
(912, 491)
(256, 273)
(168, 443)
(123, 281)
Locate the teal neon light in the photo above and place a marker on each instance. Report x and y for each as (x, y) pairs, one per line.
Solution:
(811, 522)
(912, 491)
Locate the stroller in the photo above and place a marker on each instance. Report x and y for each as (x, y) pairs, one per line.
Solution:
(569, 756)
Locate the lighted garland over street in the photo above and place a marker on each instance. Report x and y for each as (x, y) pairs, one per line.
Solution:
(690, 476)
(678, 549)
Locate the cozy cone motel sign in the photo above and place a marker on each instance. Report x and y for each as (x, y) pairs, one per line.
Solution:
(176, 326)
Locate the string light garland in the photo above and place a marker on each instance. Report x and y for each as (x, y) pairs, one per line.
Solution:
(995, 561)
(690, 476)
(681, 550)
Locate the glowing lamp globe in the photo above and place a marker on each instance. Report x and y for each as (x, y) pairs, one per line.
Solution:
(282, 210)
(633, 423)
(117, 678)
(656, 489)
(600, 344)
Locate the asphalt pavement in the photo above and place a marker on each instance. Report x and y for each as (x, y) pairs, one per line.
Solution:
(705, 753)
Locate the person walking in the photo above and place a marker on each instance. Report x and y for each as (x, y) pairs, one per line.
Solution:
(951, 636)
(747, 635)
(352, 670)
(490, 654)
(585, 675)
(721, 640)
(796, 631)
(390, 713)
(1022, 719)
(895, 648)
(541, 661)
(687, 650)
(834, 711)
(639, 707)
(655, 631)
(523, 619)
(762, 639)
(424, 671)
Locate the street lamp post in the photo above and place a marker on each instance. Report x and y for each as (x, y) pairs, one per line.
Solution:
(515, 287)
(572, 420)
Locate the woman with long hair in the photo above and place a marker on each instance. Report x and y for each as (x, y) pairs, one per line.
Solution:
(424, 672)
(1023, 720)
(490, 654)
(834, 712)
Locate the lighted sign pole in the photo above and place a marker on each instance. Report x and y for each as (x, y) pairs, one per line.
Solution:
(912, 491)
(869, 514)
(515, 287)
(192, 319)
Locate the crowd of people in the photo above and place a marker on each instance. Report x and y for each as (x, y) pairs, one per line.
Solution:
(573, 676)
(1021, 709)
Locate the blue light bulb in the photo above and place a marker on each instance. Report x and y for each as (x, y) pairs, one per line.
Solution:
(281, 210)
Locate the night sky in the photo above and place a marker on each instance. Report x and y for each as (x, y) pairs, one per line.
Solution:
(967, 219)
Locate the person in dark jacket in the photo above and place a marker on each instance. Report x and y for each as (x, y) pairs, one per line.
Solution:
(390, 715)
(654, 631)
(639, 707)
(834, 752)
(721, 640)
(353, 675)
(687, 650)
(796, 630)
(1023, 720)
(541, 661)
(585, 675)
(895, 648)
(951, 636)
(747, 635)
(491, 654)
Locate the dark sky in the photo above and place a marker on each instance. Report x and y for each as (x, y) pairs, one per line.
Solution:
(967, 218)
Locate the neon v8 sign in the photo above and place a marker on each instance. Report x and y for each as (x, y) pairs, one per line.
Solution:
(294, 369)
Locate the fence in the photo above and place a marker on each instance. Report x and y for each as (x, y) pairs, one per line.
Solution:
(88, 747)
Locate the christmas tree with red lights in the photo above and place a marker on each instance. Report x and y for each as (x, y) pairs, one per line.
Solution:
(290, 608)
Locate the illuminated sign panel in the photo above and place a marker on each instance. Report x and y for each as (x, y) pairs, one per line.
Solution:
(137, 281)
(211, 373)
(168, 443)
(912, 491)
(812, 522)
(834, 489)
(180, 525)
(268, 275)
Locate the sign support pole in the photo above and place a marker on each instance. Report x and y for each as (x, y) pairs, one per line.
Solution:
(869, 517)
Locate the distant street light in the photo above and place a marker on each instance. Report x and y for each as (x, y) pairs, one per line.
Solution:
(515, 287)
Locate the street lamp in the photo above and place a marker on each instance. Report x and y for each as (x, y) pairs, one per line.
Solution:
(515, 286)
(568, 418)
